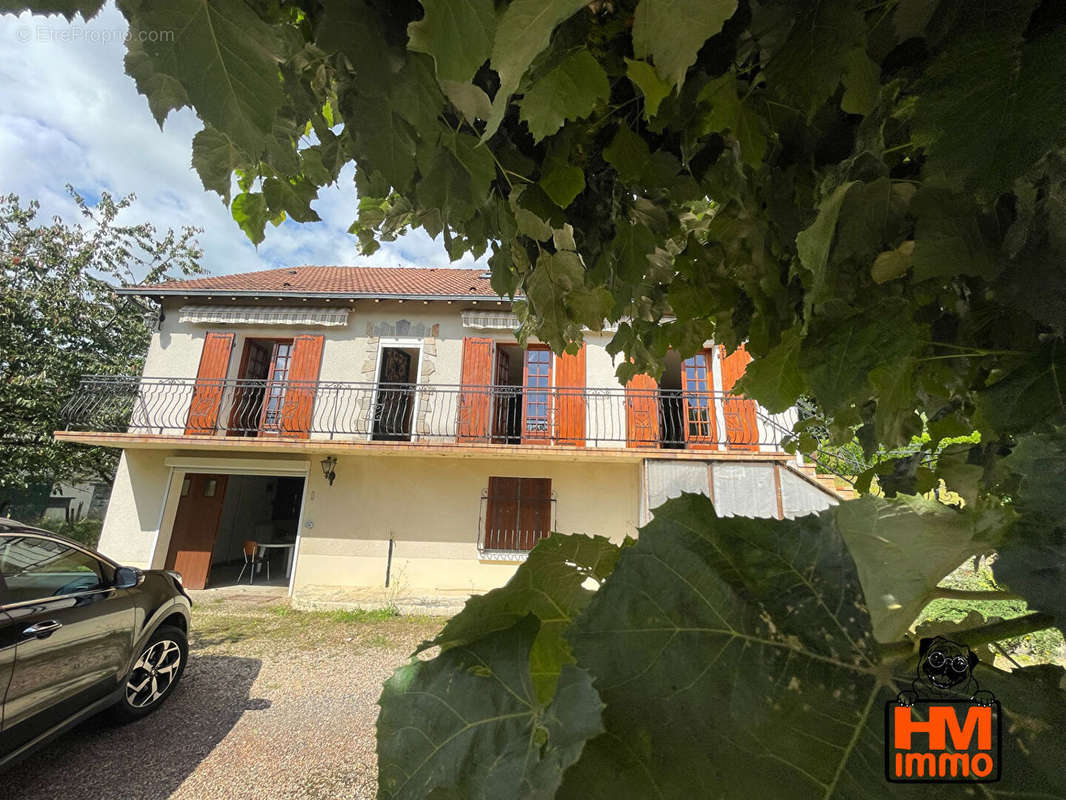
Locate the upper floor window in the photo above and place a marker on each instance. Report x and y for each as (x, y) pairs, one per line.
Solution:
(260, 394)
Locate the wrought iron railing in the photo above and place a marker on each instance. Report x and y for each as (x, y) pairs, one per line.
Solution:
(402, 412)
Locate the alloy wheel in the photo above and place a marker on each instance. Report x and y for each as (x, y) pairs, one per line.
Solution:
(153, 673)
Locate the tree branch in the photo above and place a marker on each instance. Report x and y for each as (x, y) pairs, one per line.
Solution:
(942, 593)
(983, 634)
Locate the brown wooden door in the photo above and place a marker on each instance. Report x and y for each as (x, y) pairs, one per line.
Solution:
(741, 429)
(642, 412)
(570, 394)
(196, 528)
(502, 400)
(537, 395)
(697, 384)
(210, 378)
(475, 398)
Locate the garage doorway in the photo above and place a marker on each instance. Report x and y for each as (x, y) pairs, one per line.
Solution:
(218, 514)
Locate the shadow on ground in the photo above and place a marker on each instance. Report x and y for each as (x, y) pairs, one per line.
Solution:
(147, 759)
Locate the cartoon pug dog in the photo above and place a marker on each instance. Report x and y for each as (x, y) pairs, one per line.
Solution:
(945, 670)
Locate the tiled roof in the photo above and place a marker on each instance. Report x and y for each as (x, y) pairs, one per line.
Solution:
(342, 281)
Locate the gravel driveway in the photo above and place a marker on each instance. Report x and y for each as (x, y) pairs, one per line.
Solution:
(274, 704)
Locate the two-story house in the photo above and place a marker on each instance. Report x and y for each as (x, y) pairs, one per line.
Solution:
(375, 427)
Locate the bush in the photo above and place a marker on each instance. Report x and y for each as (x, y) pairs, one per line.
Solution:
(86, 531)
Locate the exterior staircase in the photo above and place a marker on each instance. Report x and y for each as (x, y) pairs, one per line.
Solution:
(837, 486)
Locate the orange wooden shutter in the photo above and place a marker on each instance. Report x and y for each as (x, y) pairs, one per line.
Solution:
(210, 377)
(642, 412)
(475, 398)
(741, 430)
(501, 515)
(570, 398)
(697, 386)
(299, 400)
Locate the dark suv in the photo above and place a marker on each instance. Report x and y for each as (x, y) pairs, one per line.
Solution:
(80, 634)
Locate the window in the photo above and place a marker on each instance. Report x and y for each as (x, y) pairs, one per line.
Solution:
(518, 513)
(260, 392)
(538, 392)
(34, 568)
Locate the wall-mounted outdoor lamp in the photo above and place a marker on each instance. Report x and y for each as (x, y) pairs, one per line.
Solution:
(328, 471)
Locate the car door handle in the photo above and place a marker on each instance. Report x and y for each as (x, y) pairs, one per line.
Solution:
(42, 630)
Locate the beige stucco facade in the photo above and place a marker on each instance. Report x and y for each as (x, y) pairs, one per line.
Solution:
(428, 502)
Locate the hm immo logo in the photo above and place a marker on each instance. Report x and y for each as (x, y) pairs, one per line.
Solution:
(945, 729)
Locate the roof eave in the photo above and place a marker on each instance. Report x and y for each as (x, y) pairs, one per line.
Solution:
(160, 292)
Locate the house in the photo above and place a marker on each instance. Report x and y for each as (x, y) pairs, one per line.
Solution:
(383, 428)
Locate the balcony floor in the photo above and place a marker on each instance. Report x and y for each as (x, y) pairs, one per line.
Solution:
(238, 444)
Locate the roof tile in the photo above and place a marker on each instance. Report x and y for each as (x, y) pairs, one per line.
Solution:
(384, 281)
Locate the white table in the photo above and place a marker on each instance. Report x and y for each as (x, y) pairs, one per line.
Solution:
(290, 546)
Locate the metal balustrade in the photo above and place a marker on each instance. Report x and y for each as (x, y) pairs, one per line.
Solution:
(424, 413)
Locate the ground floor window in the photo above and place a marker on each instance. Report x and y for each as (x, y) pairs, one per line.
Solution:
(517, 513)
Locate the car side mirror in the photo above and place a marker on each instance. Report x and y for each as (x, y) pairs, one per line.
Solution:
(128, 577)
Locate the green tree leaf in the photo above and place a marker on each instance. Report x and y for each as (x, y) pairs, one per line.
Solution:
(948, 240)
(458, 35)
(225, 58)
(989, 106)
(1028, 394)
(777, 612)
(775, 379)
(215, 158)
(570, 91)
(471, 100)
(904, 548)
(672, 32)
(499, 740)
(788, 694)
(556, 275)
(249, 210)
(522, 32)
(563, 183)
(654, 88)
(1032, 560)
(548, 584)
(862, 82)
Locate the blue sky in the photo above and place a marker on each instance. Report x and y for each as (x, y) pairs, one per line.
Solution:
(71, 115)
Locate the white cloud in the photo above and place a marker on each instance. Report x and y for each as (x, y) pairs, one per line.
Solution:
(71, 115)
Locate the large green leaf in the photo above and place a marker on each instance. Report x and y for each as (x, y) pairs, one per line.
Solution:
(673, 31)
(522, 32)
(215, 158)
(457, 33)
(556, 276)
(549, 584)
(1028, 394)
(808, 66)
(1032, 560)
(570, 91)
(68, 8)
(991, 105)
(223, 55)
(903, 549)
(948, 239)
(654, 88)
(495, 739)
(736, 659)
(775, 379)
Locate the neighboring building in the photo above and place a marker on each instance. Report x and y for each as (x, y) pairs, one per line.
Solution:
(455, 449)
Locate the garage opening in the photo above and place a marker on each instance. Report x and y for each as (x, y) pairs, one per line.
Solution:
(231, 527)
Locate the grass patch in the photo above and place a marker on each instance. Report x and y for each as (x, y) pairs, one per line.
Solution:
(283, 628)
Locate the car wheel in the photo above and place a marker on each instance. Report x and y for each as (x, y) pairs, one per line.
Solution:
(155, 673)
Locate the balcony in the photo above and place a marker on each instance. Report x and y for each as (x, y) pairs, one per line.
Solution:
(424, 414)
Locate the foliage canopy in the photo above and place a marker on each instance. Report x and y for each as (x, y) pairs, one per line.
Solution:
(60, 319)
(872, 196)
